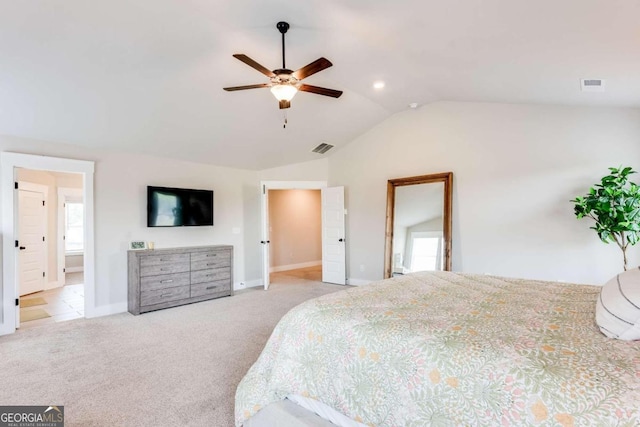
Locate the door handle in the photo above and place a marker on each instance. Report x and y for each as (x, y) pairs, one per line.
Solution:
(22, 248)
(265, 241)
(341, 240)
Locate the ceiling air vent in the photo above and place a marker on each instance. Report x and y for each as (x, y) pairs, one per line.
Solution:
(322, 148)
(592, 85)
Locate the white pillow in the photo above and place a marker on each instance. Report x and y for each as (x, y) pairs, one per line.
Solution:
(618, 307)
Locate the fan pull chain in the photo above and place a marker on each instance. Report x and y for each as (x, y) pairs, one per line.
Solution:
(284, 114)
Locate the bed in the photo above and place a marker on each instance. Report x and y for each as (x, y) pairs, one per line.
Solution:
(438, 349)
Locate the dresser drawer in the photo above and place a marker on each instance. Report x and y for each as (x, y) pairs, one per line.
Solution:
(166, 268)
(202, 289)
(152, 283)
(159, 296)
(210, 263)
(210, 259)
(210, 275)
(159, 259)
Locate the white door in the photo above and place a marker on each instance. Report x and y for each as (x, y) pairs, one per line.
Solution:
(334, 268)
(31, 227)
(265, 239)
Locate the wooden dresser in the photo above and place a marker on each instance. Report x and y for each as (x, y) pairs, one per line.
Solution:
(163, 278)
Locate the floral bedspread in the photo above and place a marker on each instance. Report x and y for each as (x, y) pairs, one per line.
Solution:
(448, 349)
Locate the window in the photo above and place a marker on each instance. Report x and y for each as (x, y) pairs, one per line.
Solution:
(425, 251)
(74, 227)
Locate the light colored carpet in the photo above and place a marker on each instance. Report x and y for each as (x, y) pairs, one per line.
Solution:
(30, 302)
(179, 366)
(28, 315)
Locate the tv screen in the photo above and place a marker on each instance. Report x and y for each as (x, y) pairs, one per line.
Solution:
(178, 207)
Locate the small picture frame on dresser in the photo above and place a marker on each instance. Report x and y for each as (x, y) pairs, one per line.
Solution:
(137, 245)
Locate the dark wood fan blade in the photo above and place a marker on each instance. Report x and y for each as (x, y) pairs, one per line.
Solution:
(230, 89)
(320, 90)
(251, 63)
(314, 67)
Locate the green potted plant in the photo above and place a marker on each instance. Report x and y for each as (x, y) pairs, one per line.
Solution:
(614, 205)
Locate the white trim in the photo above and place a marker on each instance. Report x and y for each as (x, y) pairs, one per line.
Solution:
(74, 269)
(295, 266)
(8, 163)
(265, 186)
(293, 185)
(53, 285)
(359, 282)
(106, 310)
(44, 190)
(247, 284)
(64, 194)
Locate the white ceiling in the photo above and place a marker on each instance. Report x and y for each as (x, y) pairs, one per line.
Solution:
(147, 76)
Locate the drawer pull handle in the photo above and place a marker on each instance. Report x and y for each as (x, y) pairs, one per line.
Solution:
(211, 287)
(208, 255)
(163, 269)
(209, 264)
(165, 295)
(166, 281)
(209, 275)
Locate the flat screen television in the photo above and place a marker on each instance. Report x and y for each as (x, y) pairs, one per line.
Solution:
(179, 207)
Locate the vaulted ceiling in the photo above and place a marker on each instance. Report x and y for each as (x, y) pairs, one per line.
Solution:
(147, 76)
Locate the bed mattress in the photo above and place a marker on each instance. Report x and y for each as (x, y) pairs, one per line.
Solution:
(450, 349)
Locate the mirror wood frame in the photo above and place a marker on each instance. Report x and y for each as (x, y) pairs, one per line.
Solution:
(447, 179)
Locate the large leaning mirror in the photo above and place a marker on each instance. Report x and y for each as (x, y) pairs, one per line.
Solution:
(418, 230)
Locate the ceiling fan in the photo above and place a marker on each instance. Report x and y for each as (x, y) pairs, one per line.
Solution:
(285, 83)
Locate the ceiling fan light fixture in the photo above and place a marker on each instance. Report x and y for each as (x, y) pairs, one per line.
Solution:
(284, 92)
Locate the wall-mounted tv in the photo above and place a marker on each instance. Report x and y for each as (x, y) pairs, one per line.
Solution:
(179, 207)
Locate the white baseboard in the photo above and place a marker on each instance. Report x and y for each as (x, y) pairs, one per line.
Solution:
(52, 285)
(73, 269)
(247, 284)
(294, 266)
(105, 310)
(359, 282)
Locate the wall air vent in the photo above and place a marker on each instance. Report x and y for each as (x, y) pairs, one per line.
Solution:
(322, 148)
(592, 85)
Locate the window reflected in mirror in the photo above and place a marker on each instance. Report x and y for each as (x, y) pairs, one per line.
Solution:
(418, 228)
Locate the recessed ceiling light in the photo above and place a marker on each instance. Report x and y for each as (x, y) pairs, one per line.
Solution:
(413, 105)
(378, 85)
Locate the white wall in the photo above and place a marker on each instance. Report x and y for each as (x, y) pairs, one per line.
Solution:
(120, 208)
(295, 222)
(315, 170)
(515, 169)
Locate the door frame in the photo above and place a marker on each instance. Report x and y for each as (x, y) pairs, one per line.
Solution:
(64, 193)
(8, 163)
(37, 188)
(265, 186)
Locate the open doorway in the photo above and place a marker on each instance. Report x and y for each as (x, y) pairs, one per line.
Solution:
(10, 163)
(50, 219)
(332, 226)
(295, 230)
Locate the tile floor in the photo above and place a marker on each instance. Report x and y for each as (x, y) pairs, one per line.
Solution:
(64, 303)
